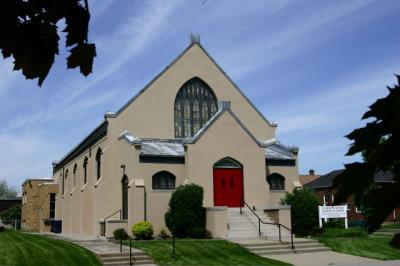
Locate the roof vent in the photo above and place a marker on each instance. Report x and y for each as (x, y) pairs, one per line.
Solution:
(224, 105)
(194, 38)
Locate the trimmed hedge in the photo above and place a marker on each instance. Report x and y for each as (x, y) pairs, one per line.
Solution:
(186, 211)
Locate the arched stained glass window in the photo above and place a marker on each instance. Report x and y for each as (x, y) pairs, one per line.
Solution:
(227, 163)
(276, 181)
(195, 103)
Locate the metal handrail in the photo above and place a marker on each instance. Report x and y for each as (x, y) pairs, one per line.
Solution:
(261, 221)
(105, 219)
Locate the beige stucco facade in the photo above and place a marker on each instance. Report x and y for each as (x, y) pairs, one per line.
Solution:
(238, 131)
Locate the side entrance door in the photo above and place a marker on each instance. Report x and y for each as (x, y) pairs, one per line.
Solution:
(228, 187)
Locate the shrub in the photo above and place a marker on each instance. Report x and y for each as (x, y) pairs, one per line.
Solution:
(143, 230)
(317, 231)
(198, 233)
(185, 210)
(395, 242)
(2, 229)
(304, 210)
(163, 234)
(120, 233)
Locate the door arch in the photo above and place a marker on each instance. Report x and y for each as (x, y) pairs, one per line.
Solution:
(228, 183)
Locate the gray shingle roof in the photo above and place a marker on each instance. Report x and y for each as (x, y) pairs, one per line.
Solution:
(162, 148)
(277, 151)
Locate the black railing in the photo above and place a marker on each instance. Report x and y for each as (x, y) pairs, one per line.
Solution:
(261, 221)
(105, 220)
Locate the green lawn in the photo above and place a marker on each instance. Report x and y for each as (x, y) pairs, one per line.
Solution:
(391, 226)
(18, 248)
(356, 242)
(200, 252)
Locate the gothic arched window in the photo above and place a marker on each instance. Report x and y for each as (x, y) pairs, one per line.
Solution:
(276, 182)
(75, 169)
(85, 163)
(163, 180)
(98, 163)
(195, 103)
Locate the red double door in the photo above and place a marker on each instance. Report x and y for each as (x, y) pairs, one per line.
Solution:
(228, 187)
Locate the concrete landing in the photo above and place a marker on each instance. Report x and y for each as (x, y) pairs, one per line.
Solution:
(330, 258)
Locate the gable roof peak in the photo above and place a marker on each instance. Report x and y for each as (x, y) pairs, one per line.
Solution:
(194, 38)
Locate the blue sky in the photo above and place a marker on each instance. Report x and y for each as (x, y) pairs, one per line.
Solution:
(313, 67)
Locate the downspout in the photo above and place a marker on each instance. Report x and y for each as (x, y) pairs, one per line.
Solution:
(145, 204)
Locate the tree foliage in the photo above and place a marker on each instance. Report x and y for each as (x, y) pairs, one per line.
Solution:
(379, 143)
(304, 210)
(29, 33)
(12, 213)
(7, 191)
(186, 212)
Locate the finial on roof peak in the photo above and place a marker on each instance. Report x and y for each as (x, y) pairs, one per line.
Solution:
(195, 38)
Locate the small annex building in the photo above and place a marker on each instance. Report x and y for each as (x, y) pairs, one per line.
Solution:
(38, 204)
(323, 187)
(190, 124)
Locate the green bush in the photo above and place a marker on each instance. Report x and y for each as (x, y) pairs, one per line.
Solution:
(198, 233)
(143, 230)
(120, 233)
(2, 229)
(304, 210)
(334, 224)
(185, 210)
(164, 234)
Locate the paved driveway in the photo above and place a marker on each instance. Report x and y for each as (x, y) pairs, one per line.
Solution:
(332, 259)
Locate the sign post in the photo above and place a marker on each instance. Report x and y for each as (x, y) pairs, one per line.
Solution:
(338, 211)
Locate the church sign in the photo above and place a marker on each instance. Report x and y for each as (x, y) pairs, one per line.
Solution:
(338, 211)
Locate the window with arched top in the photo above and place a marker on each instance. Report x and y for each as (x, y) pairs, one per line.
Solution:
(85, 163)
(163, 181)
(276, 181)
(195, 103)
(98, 163)
(64, 181)
(125, 184)
(227, 163)
(74, 172)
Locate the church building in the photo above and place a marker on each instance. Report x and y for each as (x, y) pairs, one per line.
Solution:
(190, 124)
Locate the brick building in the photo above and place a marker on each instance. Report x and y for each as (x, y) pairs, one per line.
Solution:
(323, 187)
(38, 204)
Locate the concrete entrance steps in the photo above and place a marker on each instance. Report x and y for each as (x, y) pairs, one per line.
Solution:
(120, 259)
(239, 226)
(268, 247)
(245, 226)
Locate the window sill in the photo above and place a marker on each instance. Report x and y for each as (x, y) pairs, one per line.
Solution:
(277, 191)
(98, 181)
(83, 187)
(162, 190)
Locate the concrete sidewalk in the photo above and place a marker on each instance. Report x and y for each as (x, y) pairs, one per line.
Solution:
(330, 258)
